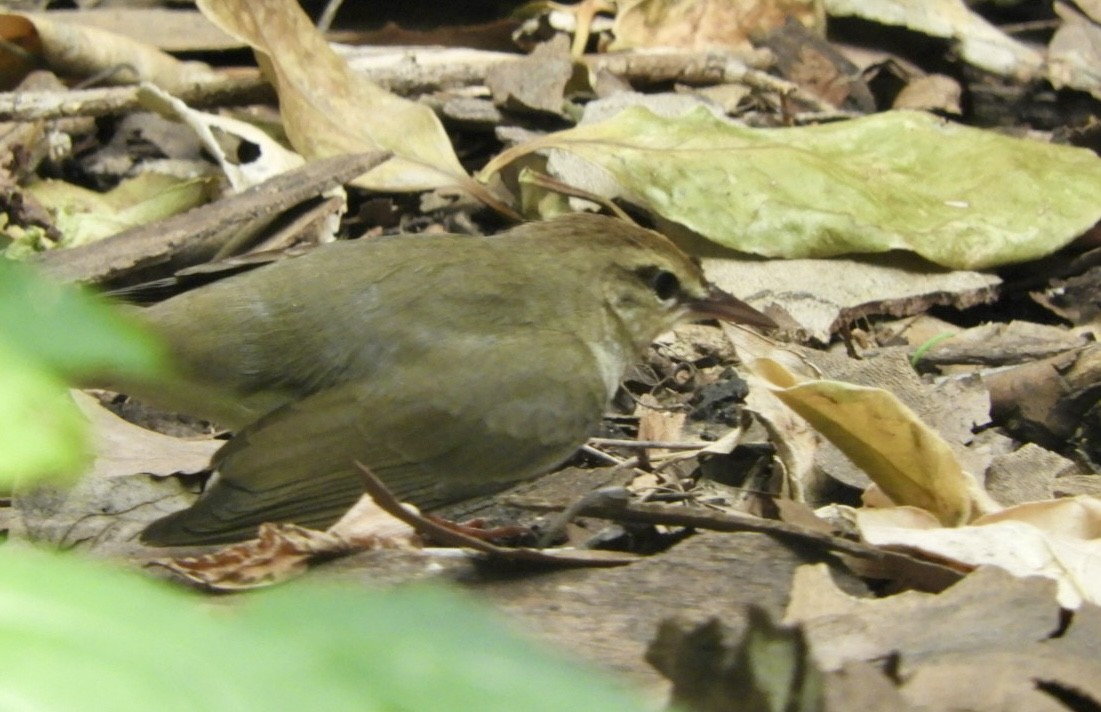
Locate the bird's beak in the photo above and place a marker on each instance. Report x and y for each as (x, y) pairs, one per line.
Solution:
(726, 307)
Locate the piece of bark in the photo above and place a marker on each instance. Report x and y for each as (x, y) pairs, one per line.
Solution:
(1046, 400)
(1075, 298)
(919, 626)
(158, 249)
(769, 668)
(1004, 344)
(1026, 475)
(805, 57)
(111, 101)
(810, 306)
(536, 83)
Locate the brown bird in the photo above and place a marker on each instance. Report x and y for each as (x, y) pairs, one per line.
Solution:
(447, 364)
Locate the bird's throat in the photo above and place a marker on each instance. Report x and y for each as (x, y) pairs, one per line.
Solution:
(613, 348)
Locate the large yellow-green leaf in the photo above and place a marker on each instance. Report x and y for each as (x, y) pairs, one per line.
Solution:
(961, 197)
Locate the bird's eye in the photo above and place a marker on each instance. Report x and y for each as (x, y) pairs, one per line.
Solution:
(665, 284)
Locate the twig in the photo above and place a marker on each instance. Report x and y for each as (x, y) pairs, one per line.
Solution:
(410, 71)
(663, 444)
(443, 534)
(934, 576)
(328, 15)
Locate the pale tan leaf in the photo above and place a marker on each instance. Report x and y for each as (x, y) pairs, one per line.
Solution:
(1074, 53)
(328, 109)
(1017, 547)
(980, 43)
(84, 51)
(123, 448)
(273, 158)
(1076, 517)
(168, 29)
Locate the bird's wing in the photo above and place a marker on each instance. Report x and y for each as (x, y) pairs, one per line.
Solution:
(431, 428)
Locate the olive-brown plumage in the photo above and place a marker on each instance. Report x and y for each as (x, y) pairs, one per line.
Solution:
(444, 363)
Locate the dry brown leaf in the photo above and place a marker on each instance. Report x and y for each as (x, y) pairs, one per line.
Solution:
(168, 29)
(24, 47)
(328, 109)
(123, 448)
(707, 24)
(85, 51)
(843, 629)
(117, 497)
(279, 553)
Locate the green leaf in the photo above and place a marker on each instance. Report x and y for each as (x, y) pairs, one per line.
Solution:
(42, 433)
(52, 334)
(961, 197)
(68, 331)
(83, 216)
(79, 636)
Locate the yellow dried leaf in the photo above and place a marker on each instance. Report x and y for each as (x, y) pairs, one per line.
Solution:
(909, 461)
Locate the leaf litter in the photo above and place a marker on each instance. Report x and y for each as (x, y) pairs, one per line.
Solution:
(953, 500)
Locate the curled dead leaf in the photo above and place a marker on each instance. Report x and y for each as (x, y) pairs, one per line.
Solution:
(909, 461)
(329, 109)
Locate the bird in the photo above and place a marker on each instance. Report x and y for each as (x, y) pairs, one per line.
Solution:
(448, 365)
